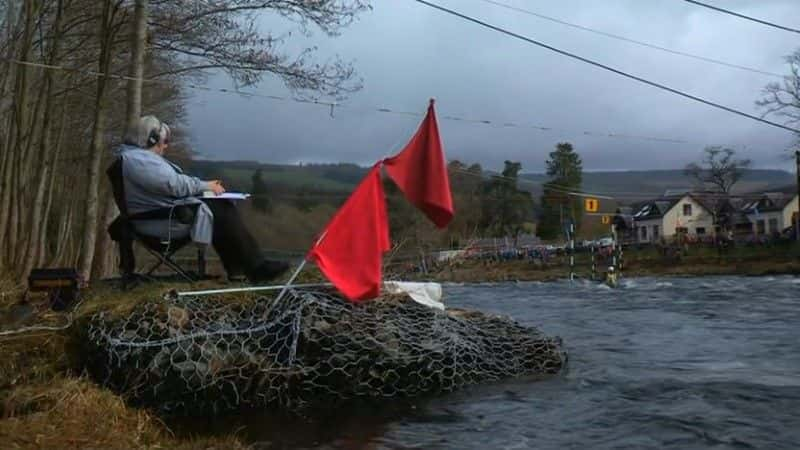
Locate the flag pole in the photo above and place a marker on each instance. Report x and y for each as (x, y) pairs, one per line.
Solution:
(299, 269)
(173, 294)
(284, 287)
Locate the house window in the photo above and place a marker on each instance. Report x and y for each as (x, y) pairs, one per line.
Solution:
(773, 225)
(759, 227)
(700, 231)
(683, 230)
(644, 233)
(655, 232)
(687, 209)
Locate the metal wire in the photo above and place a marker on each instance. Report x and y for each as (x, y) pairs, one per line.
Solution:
(310, 348)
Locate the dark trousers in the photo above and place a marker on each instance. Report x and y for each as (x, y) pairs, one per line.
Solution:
(236, 247)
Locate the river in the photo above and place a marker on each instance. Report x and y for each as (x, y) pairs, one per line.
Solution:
(658, 363)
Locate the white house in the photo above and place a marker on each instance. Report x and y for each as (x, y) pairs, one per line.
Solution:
(666, 216)
(772, 213)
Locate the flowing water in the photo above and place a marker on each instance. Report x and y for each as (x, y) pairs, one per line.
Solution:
(658, 363)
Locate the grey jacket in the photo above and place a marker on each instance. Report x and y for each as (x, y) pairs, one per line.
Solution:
(151, 182)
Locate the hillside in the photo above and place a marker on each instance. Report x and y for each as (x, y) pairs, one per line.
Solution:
(640, 183)
(341, 178)
(238, 175)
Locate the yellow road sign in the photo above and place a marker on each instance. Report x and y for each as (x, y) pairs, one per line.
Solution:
(591, 204)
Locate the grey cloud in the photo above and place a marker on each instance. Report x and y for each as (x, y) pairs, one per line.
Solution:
(407, 53)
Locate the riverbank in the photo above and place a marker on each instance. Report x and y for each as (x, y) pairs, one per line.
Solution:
(746, 261)
(46, 400)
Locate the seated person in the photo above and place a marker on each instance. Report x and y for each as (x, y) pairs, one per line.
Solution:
(152, 183)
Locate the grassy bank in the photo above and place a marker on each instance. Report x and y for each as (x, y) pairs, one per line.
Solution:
(46, 400)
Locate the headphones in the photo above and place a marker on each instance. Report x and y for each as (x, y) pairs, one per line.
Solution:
(155, 135)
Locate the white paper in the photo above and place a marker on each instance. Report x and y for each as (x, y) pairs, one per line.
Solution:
(227, 195)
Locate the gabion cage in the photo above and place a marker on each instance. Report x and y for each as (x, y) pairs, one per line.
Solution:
(306, 349)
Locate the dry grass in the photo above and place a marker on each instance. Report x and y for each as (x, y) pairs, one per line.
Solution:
(45, 402)
(75, 413)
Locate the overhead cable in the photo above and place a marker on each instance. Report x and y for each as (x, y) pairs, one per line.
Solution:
(742, 16)
(633, 41)
(332, 106)
(605, 67)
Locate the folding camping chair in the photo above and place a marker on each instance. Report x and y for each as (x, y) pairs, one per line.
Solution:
(122, 231)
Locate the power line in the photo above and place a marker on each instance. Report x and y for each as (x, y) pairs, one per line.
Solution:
(332, 106)
(605, 67)
(742, 16)
(633, 41)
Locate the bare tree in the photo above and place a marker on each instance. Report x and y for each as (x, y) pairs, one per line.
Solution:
(224, 35)
(108, 27)
(718, 169)
(58, 124)
(37, 209)
(783, 98)
(136, 68)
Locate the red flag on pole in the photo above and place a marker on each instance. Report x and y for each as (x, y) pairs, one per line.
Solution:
(350, 249)
(419, 170)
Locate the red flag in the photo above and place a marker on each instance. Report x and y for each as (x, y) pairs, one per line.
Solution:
(419, 171)
(351, 248)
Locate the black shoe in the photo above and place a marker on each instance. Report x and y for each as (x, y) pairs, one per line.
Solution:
(267, 270)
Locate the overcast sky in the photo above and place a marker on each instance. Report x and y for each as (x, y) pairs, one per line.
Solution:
(406, 52)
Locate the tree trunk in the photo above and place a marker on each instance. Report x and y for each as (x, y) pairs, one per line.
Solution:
(25, 194)
(96, 148)
(9, 225)
(105, 256)
(35, 241)
(136, 72)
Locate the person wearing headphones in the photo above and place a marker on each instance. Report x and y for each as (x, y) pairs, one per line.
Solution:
(151, 183)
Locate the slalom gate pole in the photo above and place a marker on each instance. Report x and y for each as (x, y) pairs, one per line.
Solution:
(571, 252)
(614, 247)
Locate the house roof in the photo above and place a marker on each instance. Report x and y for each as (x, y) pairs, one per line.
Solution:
(770, 201)
(655, 209)
(735, 208)
(710, 201)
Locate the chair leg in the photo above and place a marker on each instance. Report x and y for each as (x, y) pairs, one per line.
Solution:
(127, 260)
(166, 259)
(201, 261)
(158, 263)
(172, 265)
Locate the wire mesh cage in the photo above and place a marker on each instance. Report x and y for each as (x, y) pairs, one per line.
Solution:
(310, 348)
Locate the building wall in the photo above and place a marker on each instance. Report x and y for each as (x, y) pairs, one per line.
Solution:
(766, 217)
(699, 218)
(649, 225)
(667, 225)
(788, 211)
